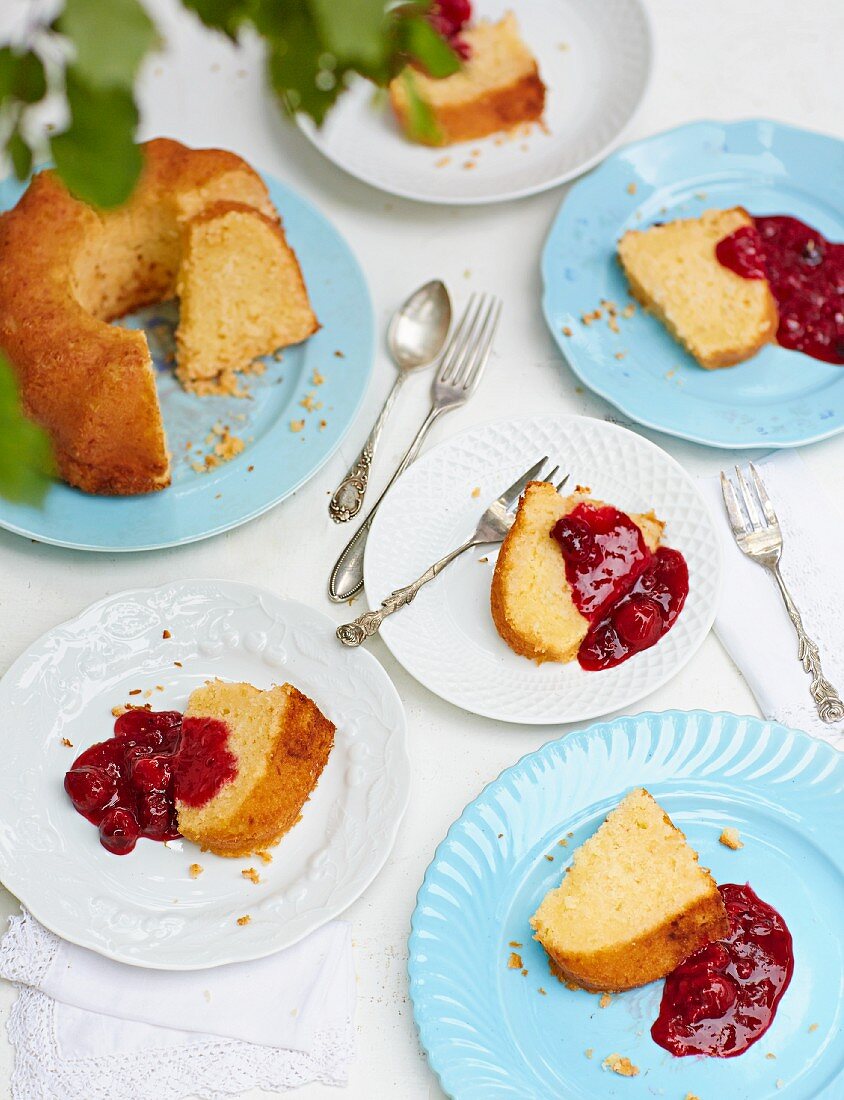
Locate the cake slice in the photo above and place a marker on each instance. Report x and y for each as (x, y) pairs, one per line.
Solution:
(530, 598)
(275, 745)
(241, 295)
(497, 88)
(633, 904)
(719, 317)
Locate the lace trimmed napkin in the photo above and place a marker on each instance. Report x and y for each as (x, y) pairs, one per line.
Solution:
(86, 1028)
(752, 622)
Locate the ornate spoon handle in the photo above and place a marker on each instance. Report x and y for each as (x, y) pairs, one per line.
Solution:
(364, 626)
(347, 498)
(827, 700)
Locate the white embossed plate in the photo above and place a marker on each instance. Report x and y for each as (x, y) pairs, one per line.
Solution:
(144, 908)
(446, 637)
(595, 60)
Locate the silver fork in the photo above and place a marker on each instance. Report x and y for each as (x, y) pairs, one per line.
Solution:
(460, 371)
(757, 532)
(492, 527)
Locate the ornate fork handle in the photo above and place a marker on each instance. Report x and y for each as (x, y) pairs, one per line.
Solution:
(347, 499)
(364, 626)
(827, 700)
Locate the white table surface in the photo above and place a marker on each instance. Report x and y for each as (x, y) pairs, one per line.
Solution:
(717, 59)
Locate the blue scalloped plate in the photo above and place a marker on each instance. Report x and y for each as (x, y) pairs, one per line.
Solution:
(488, 1030)
(276, 460)
(778, 398)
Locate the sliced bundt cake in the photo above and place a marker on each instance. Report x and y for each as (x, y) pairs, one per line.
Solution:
(275, 744)
(719, 317)
(241, 294)
(497, 87)
(633, 903)
(531, 599)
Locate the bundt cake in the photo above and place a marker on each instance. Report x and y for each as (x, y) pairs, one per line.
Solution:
(279, 742)
(632, 905)
(497, 87)
(67, 269)
(719, 317)
(531, 598)
(241, 294)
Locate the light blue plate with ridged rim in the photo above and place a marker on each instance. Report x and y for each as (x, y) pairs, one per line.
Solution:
(276, 460)
(779, 398)
(487, 1029)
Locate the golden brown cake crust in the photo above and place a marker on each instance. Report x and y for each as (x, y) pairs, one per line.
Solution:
(502, 109)
(650, 958)
(65, 271)
(274, 805)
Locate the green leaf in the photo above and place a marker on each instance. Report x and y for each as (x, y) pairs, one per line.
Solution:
(421, 41)
(26, 458)
(227, 16)
(304, 78)
(21, 155)
(110, 38)
(21, 76)
(422, 125)
(97, 156)
(355, 31)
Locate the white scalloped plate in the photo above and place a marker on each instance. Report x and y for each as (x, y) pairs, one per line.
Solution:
(144, 908)
(446, 637)
(595, 60)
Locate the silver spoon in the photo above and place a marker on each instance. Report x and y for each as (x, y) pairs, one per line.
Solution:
(415, 338)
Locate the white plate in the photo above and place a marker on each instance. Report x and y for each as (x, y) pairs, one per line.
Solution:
(144, 908)
(446, 637)
(595, 59)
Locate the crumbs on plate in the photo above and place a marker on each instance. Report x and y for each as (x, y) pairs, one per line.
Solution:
(251, 874)
(515, 961)
(621, 1065)
(245, 919)
(731, 838)
(195, 870)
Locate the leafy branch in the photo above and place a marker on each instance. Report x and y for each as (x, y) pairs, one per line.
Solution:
(86, 59)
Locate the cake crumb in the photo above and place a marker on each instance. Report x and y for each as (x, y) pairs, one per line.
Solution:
(309, 402)
(813, 1027)
(542, 992)
(251, 874)
(206, 993)
(166, 634)
(245, 919)
(442, 162)
(566, 330)
(573, 986)
(339, 354)
(468, 164)
(605, 1000)
(524, 972)
(549, 858)
(178, 664)
(620, 354)
(562, 843)
(691, 1096)
(148, 693)
(482, 561)
(514, 962)
(771, 1056)
(67, 744)
(476, 492)
(135, 691)
(265, 857)
(589, 1052)
(297, 425)
(632, 188)
(323, 424)
(515, 943)
(317, 379)
(195, 870)
(628, 310)
(621, 1065)
(731, 838)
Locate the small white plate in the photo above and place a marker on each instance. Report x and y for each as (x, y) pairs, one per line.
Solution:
(144, 908)
(595, 60)
(446, 637)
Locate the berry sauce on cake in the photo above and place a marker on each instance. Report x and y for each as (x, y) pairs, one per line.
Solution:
(448, 18)
(806, 275)
(630, 595)
(128, 785)
(724, 997)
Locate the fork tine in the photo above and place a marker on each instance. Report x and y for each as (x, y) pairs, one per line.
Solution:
(749, 501)
(454, 351)
(551, 474)
(560, 484)
(475, 370)
(732, 505)
(762, 493)
(509, 497)
(469, 349)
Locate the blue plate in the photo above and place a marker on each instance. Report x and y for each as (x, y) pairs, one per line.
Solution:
(778, 398)
(276, 460)
(488, 1030)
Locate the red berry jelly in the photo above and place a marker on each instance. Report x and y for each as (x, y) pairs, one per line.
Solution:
(449, 17)
(128, 786)
(723, 998)
(630, 596)
(806, 275)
